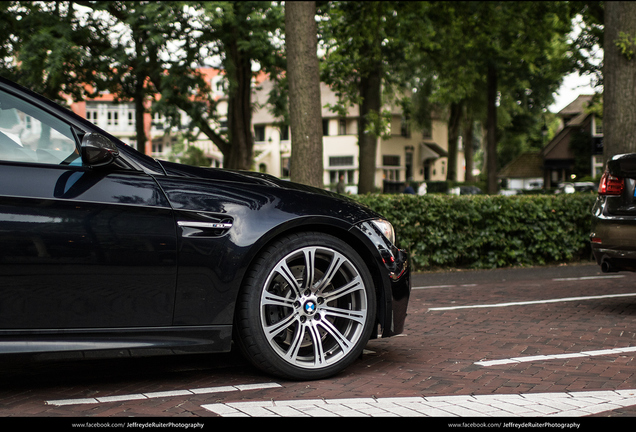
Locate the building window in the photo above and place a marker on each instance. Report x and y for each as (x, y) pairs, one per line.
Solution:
(284, 167)
(349, 176)
(325, 127)
(259, 133)
(408, 164)
(158, 121)
(284, 133)
(131, 119)
(392, 174)
(405, 130)
(336, 161)
(91, 115)
(427, 169)
(427, 132)
(597, 166)
(390, 160)
(113, 118)
(218, 84)
(598, 126)
(342, 127)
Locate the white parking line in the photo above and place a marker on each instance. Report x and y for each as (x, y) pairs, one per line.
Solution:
(442, 286)
(574, 404)
(555, 279)
(153, 395)
(534, 302)
(526, 359)
(589, 278)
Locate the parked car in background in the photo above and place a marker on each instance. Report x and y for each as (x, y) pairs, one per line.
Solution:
(470, 190)
(572, 187)
(509, 192)
(466, 190)
(104, 248)
(613, 234)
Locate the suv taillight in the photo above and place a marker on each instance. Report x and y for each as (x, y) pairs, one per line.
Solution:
(611, 185)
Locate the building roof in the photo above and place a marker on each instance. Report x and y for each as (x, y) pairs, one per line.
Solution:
(574, 116)
(527, 165)
(577, 106)
(430, 150)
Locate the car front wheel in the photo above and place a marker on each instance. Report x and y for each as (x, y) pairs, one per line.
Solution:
(307, 308)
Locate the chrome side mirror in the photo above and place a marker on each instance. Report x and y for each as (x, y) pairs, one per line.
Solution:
(97, 150)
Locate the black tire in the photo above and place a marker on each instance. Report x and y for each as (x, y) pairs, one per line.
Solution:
(298, 330)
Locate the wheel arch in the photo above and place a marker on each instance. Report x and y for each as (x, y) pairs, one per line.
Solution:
(343, 231)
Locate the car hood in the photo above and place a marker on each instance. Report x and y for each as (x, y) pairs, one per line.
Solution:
(220, 174)
(256, 178)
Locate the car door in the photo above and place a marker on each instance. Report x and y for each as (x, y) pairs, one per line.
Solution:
(80, 247)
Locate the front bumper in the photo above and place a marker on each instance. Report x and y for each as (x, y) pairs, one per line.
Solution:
(393, 276)
(400, 281)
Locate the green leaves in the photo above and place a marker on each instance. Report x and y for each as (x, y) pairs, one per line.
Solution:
(488, 231)
(45, 46)
(625, 44)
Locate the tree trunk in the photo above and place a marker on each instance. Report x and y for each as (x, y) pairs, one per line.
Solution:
(305, 110)
(454, 123)
(468, 146)
(491, 130)
(241, 142)
(619, 73)
(370, 92)
(140, 91)
(140, 110)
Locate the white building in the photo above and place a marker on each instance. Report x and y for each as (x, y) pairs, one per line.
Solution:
(405, 156)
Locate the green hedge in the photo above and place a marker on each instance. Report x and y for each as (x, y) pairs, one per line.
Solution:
(484, 231)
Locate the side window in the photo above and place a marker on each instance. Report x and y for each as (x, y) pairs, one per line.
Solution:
(29, 134)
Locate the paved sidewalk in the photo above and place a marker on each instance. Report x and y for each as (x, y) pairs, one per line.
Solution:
(575, 404)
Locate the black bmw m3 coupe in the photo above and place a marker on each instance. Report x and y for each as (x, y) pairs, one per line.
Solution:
(104, 248)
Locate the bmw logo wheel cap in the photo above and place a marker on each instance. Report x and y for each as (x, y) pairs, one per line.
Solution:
(310, 307)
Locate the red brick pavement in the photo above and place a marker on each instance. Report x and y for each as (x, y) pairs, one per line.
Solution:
(435, 356)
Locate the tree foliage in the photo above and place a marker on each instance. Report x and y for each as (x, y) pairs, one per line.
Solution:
(47, 47)
(241, 35)
(590, 21)
(515, 52)
(134, 53)
(375, 53)
(450, 52)
(369, 48)
(136, 49)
